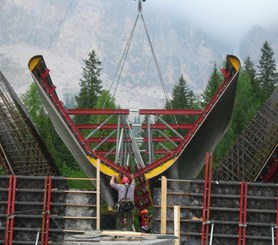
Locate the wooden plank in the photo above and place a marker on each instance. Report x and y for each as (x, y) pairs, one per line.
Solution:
(98, 195)
(163, 224)
(116, 233)
(177, 229)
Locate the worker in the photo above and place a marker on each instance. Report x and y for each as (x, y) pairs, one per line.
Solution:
(145, 221)
(125, 205)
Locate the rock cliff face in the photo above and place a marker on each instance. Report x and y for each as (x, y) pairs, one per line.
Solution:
(66, 31)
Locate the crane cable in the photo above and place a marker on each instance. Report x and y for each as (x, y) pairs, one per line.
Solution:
(124, 56)
(120, 66)
(157, 67)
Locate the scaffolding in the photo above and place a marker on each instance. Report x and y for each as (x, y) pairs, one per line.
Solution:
(21, 148)
(255, 151)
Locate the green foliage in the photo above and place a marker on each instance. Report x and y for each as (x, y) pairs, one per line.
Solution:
(213, 84)
(90, 85)
(252, 92)
(182, 98)
(61, 155)
(267, 74)
(33, 103)
(245, 107)
(249, 68)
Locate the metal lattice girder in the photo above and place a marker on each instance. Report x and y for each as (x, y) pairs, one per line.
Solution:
(160, 145)
(23, 151)
(254, 147)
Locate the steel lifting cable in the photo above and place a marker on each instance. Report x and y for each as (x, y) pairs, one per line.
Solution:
(155, 60)
(123, 59)
(120, 67)
(157, 67)
(124, 55)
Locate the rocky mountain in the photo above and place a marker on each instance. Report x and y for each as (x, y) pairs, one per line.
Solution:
(65, 31)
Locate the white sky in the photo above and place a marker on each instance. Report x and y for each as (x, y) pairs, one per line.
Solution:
(218, 16)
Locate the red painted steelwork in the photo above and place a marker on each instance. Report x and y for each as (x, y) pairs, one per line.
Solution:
(114, 140)
(245, 213)
(10, 189)
(224, 72)
(181, 112)
(163, 126)
(97, 111)
(276, 228)
(44, 208)
(206, 200)
(12, 211)
(242, 213)
(210, 160)
(99, 127)
(272, 173)
(85, 146)
(96, 144)
(49, 187)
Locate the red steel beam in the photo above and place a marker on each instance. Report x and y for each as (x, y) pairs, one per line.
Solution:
(12, 211)
(162, 139)
(114, 140)
(210, 161)
(105, 126)
(240, 213)
(49, 187)
(44, 209)
(97, 111)
(245, 213)
(277, 218)
(163, 126)
(7, 232)
(272, 172)
(181, 112)
(161, 152)
(205, 201)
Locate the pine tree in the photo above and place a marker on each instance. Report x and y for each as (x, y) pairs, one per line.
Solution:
(249, 67)
(34, 105)
(267, 74)
(182, 98)
(212, 86)
(91, 84)
(40, 118)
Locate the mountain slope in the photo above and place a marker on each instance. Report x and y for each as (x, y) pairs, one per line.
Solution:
(64, 32)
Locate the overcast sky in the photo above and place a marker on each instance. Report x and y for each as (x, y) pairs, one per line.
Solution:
(218, 16)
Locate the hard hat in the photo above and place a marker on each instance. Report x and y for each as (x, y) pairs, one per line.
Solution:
(125, 180)
(145, 211)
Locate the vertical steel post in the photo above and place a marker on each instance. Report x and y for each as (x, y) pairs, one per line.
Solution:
(12, 211)
(48, 209)
(10, 189)
(44, 210)
(240, 213)
(205, 200)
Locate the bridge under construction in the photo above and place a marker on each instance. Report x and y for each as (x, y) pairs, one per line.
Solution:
(23, 153)
(35, 199)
